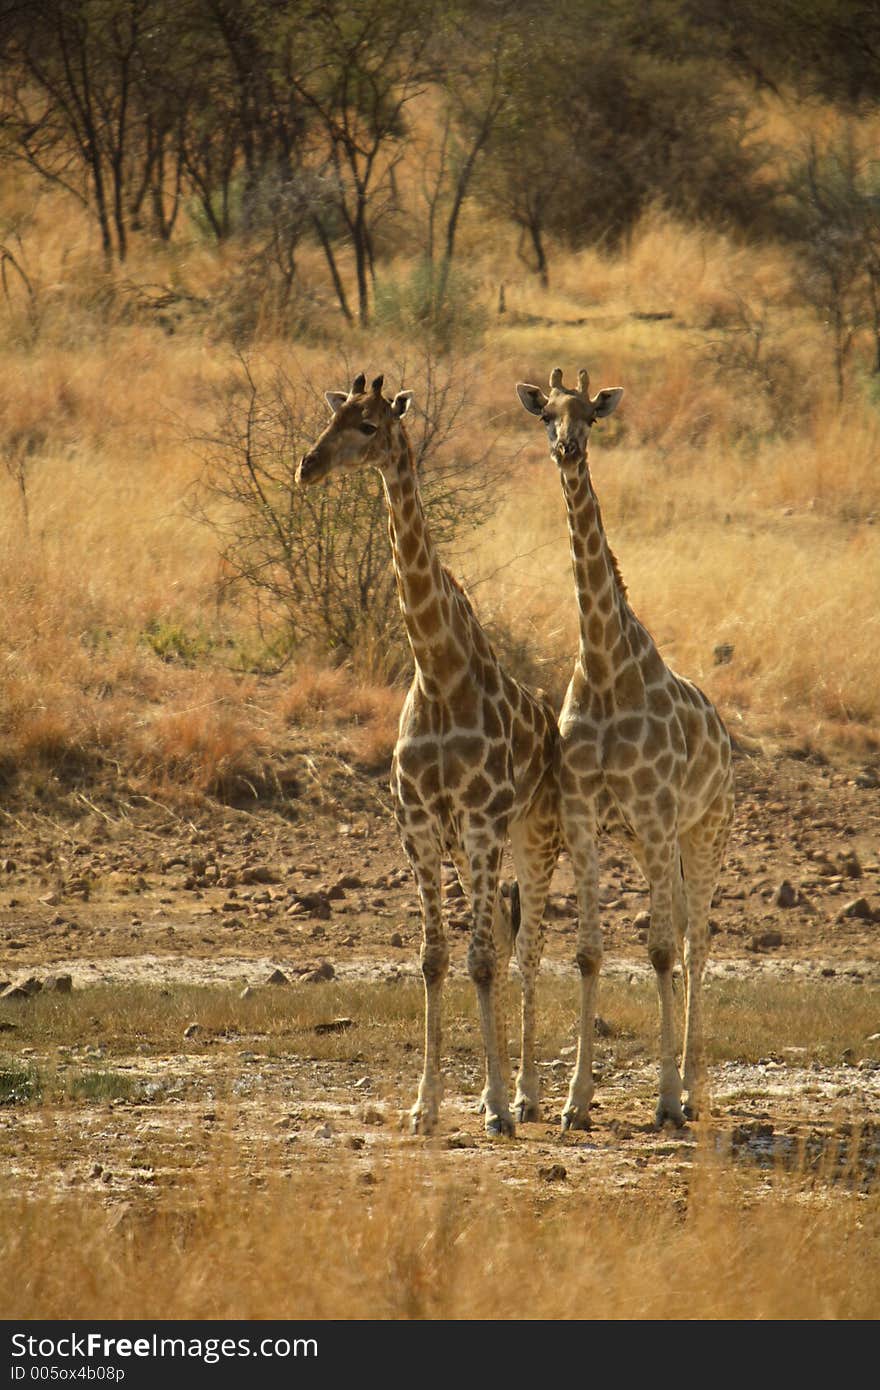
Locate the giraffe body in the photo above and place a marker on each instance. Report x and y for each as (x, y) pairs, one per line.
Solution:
(643, 754)
(473, 764)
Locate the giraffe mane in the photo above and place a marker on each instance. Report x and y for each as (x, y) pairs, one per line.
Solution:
(618, 577)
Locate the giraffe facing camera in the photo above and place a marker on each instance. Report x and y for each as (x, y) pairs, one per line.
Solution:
(644, 754)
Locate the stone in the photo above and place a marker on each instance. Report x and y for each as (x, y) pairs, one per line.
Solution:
(849, 864)
(59, 984)
(642, 921)
(247, 993)
(786, 895)
(396, 939)
(313, 904)
(349, 881)
(555, 1172)
(602, 1028)
(277, 977)
(334, 1025)
(191, 1030)
(765, 941)
(860, 909)
(259, 873)
(324, 972)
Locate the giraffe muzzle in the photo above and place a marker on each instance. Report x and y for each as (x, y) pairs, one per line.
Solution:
(310, 469)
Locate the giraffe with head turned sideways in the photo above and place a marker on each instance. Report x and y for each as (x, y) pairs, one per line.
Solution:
(472, 768)
(644, 753)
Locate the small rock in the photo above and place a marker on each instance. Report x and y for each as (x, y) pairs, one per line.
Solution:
(334, 1025)
(859, 908)
(59, 984)
(30, 986)
(372, 1116)
(602, 1028)
(356, 1142)
(722, 654)
(786, 895)
(367, 1180)
(312, 904)
(191, 1030)
(868, 778)
(396, 939)
(277, 977)
(461, 1141)
(766, 941)
(324, 1131)
(849, 864)
(554, 1173)
(349, 881)
(324, 972)
(259, 873)
(642, 921)
(247, 993)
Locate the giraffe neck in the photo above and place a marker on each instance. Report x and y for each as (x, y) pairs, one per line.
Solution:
(610, 634)
(435, 611)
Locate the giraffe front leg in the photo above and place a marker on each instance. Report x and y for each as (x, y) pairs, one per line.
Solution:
(535, 848)
(581, 841)
(484, 966)
(662, 866)
(424, 858)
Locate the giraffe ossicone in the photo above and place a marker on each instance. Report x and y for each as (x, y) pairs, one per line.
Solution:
(472, 768)
(643, 753)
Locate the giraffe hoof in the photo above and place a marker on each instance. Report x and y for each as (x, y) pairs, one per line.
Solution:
(526, 1111)
(691, 1110)
(668, 1113)
(575, 1119)
(500, 1126)
(421, 1121)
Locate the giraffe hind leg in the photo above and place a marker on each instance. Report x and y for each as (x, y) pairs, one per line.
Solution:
(535, 848)
(703, 849)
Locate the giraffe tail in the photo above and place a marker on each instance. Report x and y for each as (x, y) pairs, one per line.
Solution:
(515, 909)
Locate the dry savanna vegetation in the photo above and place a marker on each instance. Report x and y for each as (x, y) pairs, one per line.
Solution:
(201, 668)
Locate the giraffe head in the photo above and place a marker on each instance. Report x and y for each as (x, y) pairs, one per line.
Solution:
(359, 433)
(568, 414)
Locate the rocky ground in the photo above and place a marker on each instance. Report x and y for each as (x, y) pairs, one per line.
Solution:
(99, 892)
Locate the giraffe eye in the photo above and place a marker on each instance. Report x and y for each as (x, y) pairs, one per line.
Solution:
(367, 428)
(547, 419)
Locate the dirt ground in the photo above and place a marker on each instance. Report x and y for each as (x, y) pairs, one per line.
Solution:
(114, 892)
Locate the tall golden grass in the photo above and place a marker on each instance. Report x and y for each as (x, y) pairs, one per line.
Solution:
(741, 501)
(411, 1244)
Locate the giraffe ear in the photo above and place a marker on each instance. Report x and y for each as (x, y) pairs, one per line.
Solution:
(335, 399)
(401, 404)
(607, 400)
(532, 397)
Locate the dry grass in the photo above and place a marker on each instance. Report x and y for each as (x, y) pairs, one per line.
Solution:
(250, 1227)
(414, 1247)
(740, 500)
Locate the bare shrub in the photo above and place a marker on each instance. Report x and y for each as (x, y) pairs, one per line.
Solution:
(316, 563)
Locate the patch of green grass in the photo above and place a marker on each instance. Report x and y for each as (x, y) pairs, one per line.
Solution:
(100, 1086)
(19, 1084)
